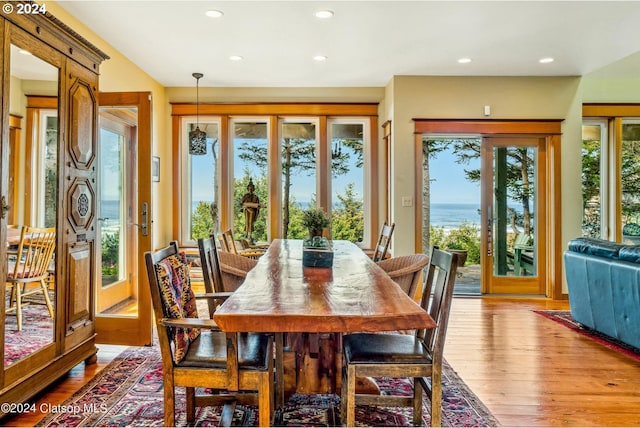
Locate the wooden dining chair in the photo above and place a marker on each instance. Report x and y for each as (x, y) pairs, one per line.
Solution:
(211, 273)
(384, 240)
(229, 244)
(196, 354)
(418, 356)
(28, 268)
(406, 271)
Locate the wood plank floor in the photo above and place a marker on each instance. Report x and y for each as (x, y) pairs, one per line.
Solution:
(528, 370)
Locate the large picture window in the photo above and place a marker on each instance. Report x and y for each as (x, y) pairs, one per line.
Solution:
(282, 164)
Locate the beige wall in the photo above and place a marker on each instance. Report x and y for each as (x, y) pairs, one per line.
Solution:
(611, 90)
(464, 98)
(230, 95)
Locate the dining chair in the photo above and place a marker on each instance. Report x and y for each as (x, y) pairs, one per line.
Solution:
(196, 354)
(417, 356)
(231, 247)
(384, 240)
(28, 268)
(211, 273)
(234, 269)
(405, 271)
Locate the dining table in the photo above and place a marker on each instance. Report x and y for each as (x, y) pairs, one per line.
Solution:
(314, 306)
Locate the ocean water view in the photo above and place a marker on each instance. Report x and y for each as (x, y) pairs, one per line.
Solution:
(449, 216)
(452, 216)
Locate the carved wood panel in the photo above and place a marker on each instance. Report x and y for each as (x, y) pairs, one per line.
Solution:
(79, 306)
(80, 190)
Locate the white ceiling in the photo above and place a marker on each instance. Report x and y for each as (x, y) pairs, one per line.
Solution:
(366, 42)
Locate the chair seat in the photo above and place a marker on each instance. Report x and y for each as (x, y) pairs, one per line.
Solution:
(375, 348)
(210, 350)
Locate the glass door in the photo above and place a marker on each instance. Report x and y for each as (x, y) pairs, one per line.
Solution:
(123, 307)
(117, 233)
(514, 218)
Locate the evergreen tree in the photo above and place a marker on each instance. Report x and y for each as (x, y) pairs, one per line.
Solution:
(201, 221)
(348, 218)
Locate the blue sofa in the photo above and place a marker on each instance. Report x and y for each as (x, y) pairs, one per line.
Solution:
(603, 279)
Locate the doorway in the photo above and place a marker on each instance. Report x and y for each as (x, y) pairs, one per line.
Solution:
(514, 244)
(123, 303)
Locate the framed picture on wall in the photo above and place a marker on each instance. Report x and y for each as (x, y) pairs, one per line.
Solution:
(155, 168)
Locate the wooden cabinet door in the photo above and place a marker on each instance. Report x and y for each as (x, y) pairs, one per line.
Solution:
(79, 206)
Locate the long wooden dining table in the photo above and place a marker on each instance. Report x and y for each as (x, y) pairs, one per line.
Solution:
(281, 296)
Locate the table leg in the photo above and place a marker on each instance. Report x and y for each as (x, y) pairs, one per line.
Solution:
(279, 370)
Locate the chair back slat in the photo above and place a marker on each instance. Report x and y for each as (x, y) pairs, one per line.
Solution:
(437, 296)
(384, 240)
(211, 273)
(230, 242)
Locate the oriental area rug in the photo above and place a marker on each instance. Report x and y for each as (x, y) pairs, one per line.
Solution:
(564, 318)
(128, 392)
(37, 331)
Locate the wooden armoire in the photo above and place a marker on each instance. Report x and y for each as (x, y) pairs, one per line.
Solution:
(66, 96)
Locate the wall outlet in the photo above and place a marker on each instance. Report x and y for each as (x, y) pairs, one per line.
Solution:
(407, 201)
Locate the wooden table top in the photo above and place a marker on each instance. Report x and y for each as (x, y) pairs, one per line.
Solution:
(279, 295)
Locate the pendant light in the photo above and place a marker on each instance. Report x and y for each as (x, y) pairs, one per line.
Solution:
(197, 138)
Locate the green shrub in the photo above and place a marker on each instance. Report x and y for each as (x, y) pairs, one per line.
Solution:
(466, 237)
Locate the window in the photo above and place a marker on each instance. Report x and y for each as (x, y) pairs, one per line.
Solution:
(250, 162)
(594, 134)
(611, 171)
(347, 144)
(299, 174)
(200, 183)
(292, 161)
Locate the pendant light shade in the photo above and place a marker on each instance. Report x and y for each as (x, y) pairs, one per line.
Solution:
(197, 138)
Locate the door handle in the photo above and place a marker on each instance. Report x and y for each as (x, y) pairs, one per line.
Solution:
(489, 231)
(144, 220)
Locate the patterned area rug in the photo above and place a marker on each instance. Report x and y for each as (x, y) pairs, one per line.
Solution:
(128, 392)
(564, 318)
(37, 331)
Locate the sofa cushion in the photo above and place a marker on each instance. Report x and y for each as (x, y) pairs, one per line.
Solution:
(596, 247)
(630, 253)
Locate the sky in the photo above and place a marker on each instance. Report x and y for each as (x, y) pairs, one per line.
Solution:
(449, 184)
(448, 181)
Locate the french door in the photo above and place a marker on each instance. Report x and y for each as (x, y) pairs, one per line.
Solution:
(514, 215)
(123, 303)
(519, 175)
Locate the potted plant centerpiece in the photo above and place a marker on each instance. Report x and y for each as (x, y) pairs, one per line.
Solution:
(316, 250)
(314, 219)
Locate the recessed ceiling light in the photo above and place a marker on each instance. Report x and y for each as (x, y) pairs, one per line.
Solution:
(464, 60)
(214, 13)
(546, 60)
(24, 52)
(236, 58)
(320, 58)
(324, 14)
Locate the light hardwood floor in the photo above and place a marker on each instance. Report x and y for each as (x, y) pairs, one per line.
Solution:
(528, 370)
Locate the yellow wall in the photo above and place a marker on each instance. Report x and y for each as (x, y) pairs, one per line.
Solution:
(118, 74)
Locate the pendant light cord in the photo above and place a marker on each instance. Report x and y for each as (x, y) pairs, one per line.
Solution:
(198, 76)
